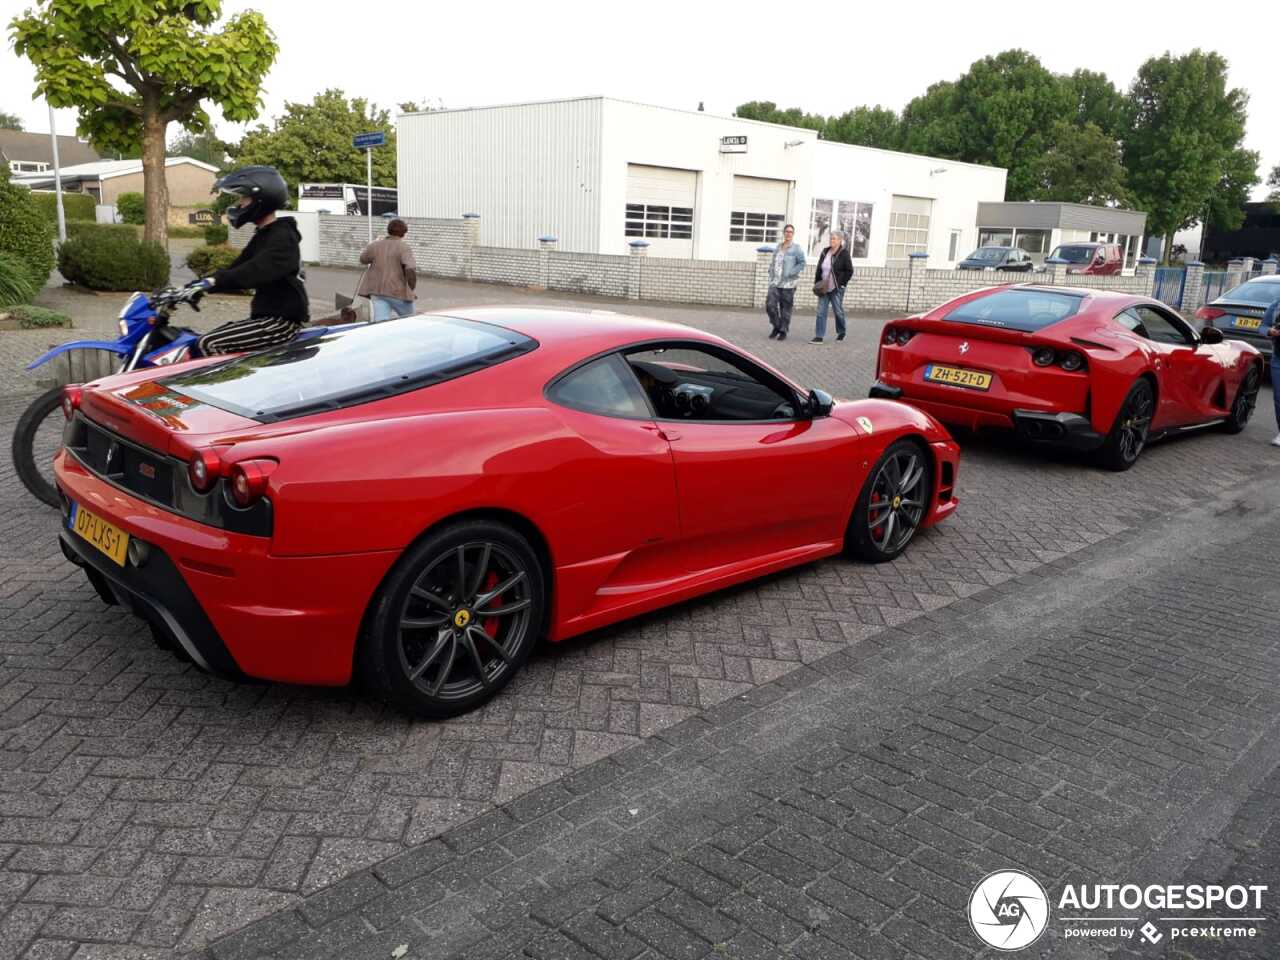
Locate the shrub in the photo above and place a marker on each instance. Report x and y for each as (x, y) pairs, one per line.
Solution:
(30, 317)
(81, 228)
(75, 206)
(24, 232)
(16, 283)
(132, 208)
(215, 234)
(110, 260)
(205, 260)
(185, 231)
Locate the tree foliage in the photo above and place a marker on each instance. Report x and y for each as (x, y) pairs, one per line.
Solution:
(311, 142)
(10, 121)
(865, 126)
(205, 147)
(1184, 139)
(132, 68)
(1080, 164)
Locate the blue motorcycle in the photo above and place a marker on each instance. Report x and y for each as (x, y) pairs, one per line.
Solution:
(146, 340)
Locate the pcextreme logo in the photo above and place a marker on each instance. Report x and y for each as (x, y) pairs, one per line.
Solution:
(1009, 910)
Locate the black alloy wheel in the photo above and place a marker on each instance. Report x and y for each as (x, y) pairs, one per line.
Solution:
(1246, 400)
(457, 617)
(893, 503)
(1132, 428)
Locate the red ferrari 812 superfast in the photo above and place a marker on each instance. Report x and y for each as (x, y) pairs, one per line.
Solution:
(420, 500)
(1087, 369)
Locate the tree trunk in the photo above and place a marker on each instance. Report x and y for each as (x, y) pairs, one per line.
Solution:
(155, 187)
(1168, 249)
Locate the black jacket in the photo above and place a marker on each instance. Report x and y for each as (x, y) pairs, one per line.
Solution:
(270, 265)
(842, 268)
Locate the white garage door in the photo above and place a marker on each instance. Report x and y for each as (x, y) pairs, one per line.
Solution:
(660, 204)
(759, 210)
(908, 229)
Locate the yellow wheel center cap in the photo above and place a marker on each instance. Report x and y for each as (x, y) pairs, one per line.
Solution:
(897, 502)
(461, 618)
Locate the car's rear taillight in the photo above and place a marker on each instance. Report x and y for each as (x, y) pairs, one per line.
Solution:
(71, 397)
(204, 469)
(1071, 361)
(1209, 313)
(249, 481)
(890, 336)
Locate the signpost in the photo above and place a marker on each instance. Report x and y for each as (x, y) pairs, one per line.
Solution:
(366, 142)
(733, 144)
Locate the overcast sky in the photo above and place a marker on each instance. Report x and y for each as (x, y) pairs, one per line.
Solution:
(679, 53)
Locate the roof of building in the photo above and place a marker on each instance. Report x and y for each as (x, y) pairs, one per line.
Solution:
(1034, 214)
(101, 170)
(21, 146)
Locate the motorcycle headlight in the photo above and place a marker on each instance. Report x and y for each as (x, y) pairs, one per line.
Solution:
(124, 327)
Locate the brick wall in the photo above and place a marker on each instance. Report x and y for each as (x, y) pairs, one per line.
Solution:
(450, 248)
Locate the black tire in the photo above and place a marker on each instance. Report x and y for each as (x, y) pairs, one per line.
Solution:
(25, 458)
(892, 504)
(1245, 401)
(1131, 429)
(424, 649)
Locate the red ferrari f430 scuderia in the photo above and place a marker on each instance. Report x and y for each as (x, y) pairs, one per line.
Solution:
(420, 500)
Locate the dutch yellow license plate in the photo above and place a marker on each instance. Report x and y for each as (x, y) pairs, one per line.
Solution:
(109, 539)
(1247, 323)
(956, 377)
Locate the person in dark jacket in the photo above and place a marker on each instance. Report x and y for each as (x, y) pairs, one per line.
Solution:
(835, 268)
(270, 265)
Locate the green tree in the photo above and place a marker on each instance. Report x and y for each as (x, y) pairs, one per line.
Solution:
(205, 147)
(1186, 126)
(132, 68)
(769, 112)
(931, 123)
(1225, 207)
(1081, 164)
(311, 143)
(1096, 100)
(10, 121)
(866, 126)
(1273, 180)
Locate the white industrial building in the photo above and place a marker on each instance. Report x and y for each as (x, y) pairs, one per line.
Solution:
(599, 174)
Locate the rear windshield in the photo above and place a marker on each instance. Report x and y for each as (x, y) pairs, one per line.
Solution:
(1076, 253)
(1027, 310)
(351, 365)
(1262, 292)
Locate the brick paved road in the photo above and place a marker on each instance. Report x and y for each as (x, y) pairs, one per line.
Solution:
(146, 806)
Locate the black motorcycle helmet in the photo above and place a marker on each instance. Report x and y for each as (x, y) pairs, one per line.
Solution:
(263, 186)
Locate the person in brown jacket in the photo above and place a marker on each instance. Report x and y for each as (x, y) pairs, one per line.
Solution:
(392, 276)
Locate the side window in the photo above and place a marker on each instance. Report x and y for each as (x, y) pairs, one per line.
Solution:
(1131, 322)
(1162, 328)
(605, 386)
(686, 382)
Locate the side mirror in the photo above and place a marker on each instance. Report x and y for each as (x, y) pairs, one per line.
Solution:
(820, 403)
(1210, 335)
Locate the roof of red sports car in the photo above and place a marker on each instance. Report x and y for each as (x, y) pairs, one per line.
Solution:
(562, 326)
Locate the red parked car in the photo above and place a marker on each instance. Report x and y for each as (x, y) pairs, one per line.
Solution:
(1082, 368)
(1098, 259)
(424, 498)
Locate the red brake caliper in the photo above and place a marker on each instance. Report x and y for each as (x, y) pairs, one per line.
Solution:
(491, 623)
(876, 499)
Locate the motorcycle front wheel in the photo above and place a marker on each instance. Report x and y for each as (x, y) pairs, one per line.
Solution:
(36, 440)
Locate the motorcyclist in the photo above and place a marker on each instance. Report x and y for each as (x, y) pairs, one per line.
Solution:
(270, 265)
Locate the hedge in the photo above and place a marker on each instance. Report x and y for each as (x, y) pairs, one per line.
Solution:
(215, 234)
(31, 318)
(16, 283)
(132, 208)
(81, 228)
(110, 260)
(205, 260)
(75, 206)
(24, 232)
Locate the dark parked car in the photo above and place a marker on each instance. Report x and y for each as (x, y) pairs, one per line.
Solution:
(1238, 313)
(998, 258)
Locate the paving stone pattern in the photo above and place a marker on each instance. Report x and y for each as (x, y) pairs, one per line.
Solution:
(146, 805)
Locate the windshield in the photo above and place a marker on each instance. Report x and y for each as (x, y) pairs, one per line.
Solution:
(1027, 310)
(351, 365)
(988, 254)
(1262, 292)
(1074, 253)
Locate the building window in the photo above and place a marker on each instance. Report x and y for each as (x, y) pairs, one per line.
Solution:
(24, 166)
(953, 249)
(908, 234)
(1032, 241)
(995, 237)
(747, 227)
(658, 222)
(853, 219)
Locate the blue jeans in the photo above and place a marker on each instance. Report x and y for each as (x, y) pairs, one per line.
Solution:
(384, 308)
(836, 299)
(1275, 378)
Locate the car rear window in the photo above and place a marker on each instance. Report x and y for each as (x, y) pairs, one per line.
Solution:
(1022, 309)
(351, 365)
(1262, 292)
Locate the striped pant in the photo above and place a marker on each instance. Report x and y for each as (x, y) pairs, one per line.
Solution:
(252, 334)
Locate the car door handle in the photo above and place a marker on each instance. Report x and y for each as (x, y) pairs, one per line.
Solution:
(666, 433)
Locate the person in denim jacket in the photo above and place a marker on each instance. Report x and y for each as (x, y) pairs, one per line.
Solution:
(1271, 323)
(784, 270)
